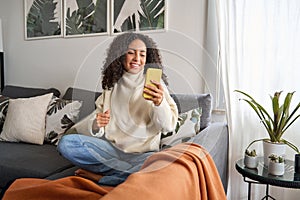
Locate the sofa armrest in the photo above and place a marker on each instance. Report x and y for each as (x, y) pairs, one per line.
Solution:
(215, 139)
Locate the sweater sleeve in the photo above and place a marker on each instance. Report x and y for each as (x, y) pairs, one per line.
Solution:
(165, 115)
(98, 133)
(99, 108)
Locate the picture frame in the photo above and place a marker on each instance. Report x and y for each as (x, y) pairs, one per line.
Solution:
(79, 18)
(86, 18)
(43, 19)
(138, 15)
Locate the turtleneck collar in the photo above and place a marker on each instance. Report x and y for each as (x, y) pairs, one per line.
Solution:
(133, 80)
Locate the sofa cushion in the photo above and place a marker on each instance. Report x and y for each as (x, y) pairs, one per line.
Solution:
(62, 114)
(29, 160)
(87, 97)
(13, 91)
(25, 119)
(188, 125)
(3, 109)
(186, 102)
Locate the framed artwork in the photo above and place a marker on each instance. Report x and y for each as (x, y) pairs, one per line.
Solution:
(138, 15)
(85, 17)
(77, 18)
(43, 19)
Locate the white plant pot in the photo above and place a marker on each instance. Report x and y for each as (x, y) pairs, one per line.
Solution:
(273, 148)
(276, 169)
(250, 161)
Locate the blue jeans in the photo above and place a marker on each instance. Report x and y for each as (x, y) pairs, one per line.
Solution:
(100, 156)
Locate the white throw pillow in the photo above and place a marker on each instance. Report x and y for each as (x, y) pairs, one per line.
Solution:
(25, 119)
(62, 114)
(188, 125)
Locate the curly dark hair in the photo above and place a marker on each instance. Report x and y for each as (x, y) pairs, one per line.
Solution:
(113, 66)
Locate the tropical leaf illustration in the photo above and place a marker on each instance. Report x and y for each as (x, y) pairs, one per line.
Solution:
(130, 9)
(41, 20)
(154, 14)
(66, 122)
(51, 138)
(181, 119)
(138, 15)
(195, 118)
(73, 25)
(3, 109)
(56, 105)
(88, 18)
(100, 15)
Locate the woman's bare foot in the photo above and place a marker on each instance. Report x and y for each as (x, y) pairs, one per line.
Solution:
(88, 175)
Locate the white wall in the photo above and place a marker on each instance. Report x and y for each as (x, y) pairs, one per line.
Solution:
(64, 62)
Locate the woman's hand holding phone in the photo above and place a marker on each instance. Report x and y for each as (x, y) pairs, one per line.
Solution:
(153, 90)
(154, 93)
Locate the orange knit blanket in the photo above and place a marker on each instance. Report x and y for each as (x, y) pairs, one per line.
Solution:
(183, 172)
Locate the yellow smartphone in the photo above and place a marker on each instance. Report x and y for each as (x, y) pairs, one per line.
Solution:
(152, 74)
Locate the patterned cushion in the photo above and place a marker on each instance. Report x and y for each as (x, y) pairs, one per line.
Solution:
(3, 109)
(188, 125)
(61, 115)
(186, 102)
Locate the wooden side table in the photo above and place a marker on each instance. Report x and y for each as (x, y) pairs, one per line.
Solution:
(260, 175)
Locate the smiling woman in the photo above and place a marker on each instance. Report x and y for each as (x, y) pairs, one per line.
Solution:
(126, 127)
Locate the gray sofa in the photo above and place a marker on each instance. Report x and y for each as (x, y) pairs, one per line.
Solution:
(19, 160)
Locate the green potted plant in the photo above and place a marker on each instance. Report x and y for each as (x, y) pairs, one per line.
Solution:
(275, 123)
(276, 165)
(250, 159)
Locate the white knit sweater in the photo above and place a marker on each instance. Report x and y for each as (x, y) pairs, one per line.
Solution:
(135, 124)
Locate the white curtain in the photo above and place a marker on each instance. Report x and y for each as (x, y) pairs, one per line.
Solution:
(259, 43)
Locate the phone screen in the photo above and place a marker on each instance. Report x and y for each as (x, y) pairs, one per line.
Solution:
(152, 74)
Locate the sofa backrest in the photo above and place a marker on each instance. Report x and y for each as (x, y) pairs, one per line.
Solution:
(13, 91)
(185, 102)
